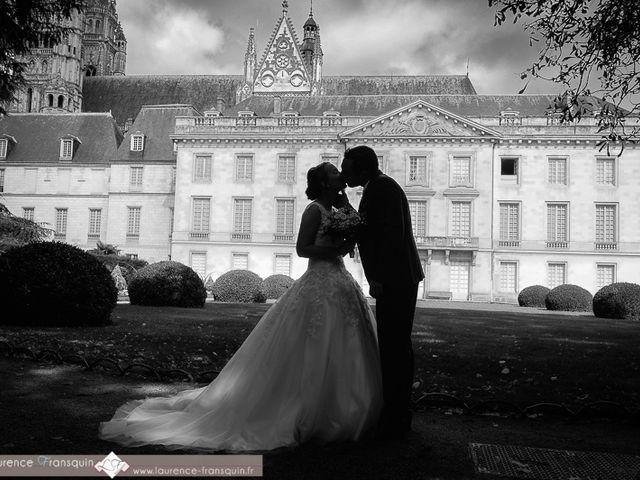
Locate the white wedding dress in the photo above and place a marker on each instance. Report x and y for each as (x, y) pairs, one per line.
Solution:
(309, 371)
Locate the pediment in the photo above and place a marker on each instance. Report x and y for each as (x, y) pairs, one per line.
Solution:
(419, 119)
(281, 69)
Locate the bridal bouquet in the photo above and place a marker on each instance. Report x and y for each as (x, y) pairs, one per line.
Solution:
(343, 224)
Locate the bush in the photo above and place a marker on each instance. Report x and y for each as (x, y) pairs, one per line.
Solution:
(274, 286)
(54, 283)
(238, 286)
(618, 300)
(569, 298)
(167, 283)
(533, 296)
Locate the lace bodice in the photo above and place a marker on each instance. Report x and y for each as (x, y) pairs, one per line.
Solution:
(322, 238)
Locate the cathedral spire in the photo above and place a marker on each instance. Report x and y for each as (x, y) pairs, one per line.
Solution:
(285, 6)
(250, 58)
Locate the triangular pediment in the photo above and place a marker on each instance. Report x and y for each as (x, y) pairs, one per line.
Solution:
(419, 119)
(282, 69)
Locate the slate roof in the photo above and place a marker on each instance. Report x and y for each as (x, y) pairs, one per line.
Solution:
(398, 85)
(124, 95)
(374, 105)
(156, 122)
(38, 136)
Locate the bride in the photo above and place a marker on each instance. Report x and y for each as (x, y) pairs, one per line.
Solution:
(309, 370)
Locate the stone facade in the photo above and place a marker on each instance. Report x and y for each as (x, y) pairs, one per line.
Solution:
(211, 170)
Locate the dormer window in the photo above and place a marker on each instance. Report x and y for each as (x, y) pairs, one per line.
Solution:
(330, 118)
(290, 113)
(137, 142)
(6, 144)
(68, 147)
(510, 117)
(331, 113)
(212, 113)
(246, 113)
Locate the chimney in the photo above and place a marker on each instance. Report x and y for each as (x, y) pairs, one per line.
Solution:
(277, 105)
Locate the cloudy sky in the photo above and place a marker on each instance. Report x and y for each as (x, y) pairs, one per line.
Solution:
(359, 37)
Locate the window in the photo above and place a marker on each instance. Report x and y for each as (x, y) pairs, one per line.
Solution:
(606, 228)
(417, 171)
(283, 264)
(382, 163)
(1, 180)
(557, 170)
(198, 263)
(137, 142)
(239, 261)
(509, 277)
(202, 168)
(460, 219)
(66, 149)
(510, 118)
(606, 171)
(61, 223)
(556, 274)
(557, 225)
(244, 168)
(135, 177)
(133, 221)
(460, 171)
(509, 225)
(418, 209)
(28, 213)
(286, 168)
(201, 213)
(284, 219)
(95, 220)
(509, 168)
(242, 219)
(3, 148)
(606, 274)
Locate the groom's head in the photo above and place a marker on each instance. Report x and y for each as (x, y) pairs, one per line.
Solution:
(360, 164)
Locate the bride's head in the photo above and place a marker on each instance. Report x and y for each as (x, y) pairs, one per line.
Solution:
(323, 181)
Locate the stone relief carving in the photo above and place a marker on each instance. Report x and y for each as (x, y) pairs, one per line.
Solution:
(418, 124)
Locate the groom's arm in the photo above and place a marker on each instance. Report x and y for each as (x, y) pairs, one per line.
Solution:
(387, 229)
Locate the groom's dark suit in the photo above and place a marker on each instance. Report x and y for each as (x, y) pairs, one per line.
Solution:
(390, 257)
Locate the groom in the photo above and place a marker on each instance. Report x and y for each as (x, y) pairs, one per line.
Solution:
(393, 269)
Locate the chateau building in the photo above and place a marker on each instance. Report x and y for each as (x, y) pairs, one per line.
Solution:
(210, 171)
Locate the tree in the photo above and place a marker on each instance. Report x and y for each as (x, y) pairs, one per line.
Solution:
(16, 231)
(24, 24)
(592, 48)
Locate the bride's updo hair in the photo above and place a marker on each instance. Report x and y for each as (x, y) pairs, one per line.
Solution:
(316, 176)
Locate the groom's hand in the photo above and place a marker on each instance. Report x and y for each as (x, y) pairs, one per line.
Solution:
(375, 289)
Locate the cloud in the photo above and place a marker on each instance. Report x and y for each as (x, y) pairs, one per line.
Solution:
(170, 40)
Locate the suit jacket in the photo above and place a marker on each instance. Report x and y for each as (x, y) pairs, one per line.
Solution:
(386, 243)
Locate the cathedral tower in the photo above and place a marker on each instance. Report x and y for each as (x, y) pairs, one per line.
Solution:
(104, 44)
(53, 80)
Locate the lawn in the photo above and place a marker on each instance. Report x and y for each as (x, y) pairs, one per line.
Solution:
(521, 357)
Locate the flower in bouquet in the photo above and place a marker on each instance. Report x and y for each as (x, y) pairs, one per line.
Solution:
(343, 224)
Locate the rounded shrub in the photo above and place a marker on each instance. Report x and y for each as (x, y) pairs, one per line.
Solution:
(569, 298)
(533, 296)
(238, 286)
(274, 286)
(54, 283)
(167, 284)
(618, 300)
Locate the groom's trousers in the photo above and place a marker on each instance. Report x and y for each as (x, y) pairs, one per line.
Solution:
(395, 310)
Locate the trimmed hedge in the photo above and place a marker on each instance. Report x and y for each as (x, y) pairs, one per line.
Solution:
(569, 298)
(241, 286)
(274, 286)
(54, 283)
(167, 284)
(533, 296)
(618, 300)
